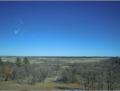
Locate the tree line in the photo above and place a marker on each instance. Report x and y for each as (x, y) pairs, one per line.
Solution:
(104, 75)
(22, 71)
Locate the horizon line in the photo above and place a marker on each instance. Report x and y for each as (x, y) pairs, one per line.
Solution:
(61, 56)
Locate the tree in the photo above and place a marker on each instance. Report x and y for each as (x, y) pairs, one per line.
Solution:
(1, 62)
(26, 65)
(26, 61)
(38, 73)
(18, 62)
(7, 72)
(69, 75)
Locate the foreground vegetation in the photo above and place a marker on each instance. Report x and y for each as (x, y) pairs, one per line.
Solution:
(59, 73)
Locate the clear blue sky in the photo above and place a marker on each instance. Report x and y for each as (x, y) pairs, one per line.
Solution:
(60, 28)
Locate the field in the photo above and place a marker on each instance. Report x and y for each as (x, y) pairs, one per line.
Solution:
(39, 86)
(55, 73)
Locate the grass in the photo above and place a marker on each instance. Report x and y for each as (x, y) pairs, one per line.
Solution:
(11, 85)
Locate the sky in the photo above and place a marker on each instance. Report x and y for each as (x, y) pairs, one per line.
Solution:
(54, 28)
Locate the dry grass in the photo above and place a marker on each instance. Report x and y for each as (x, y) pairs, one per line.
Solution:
(10, 85)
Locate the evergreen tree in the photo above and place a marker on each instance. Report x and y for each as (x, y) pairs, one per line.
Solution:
(26, 66)
(26, 61)
(1, 62)
(18, 62)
